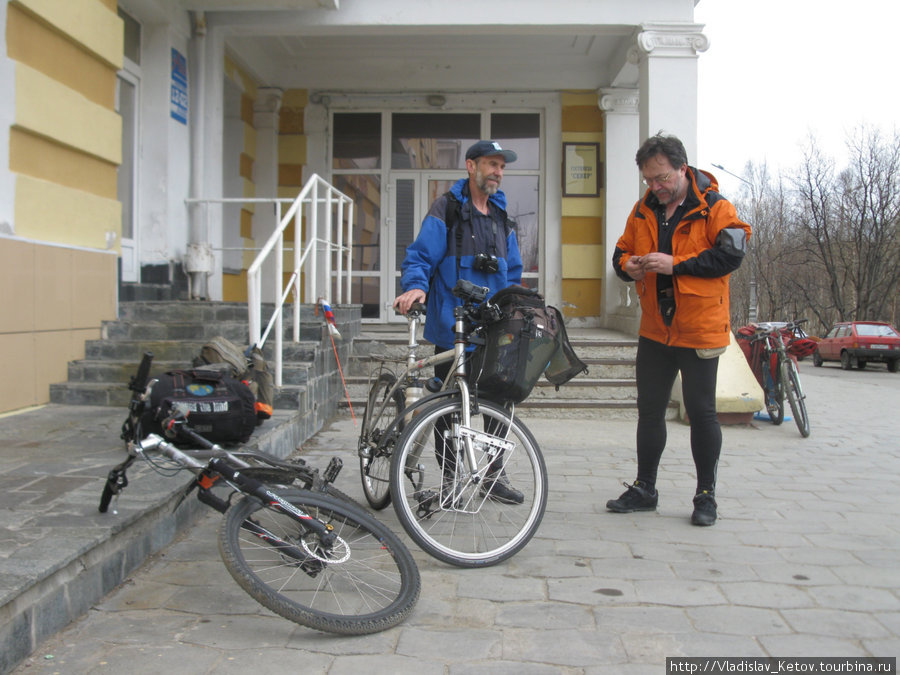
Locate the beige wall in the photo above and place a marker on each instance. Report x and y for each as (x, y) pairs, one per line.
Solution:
(59, 270)
(55, 299)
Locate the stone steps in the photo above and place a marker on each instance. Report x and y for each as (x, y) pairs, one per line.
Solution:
(607, 390)
(176, 331)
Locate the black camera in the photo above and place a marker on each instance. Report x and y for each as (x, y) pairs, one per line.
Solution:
(486, 263)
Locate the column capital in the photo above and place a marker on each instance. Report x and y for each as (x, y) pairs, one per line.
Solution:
(618, 100)
(668, 39)
(268, 100)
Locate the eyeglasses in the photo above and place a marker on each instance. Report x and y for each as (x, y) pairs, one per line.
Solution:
(657, 180)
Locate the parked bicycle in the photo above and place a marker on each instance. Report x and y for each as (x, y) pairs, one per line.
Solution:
(773, 352)
(438, 457)
(290, 541)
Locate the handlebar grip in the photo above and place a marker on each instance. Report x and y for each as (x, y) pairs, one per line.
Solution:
(106, 497)
(139, 382)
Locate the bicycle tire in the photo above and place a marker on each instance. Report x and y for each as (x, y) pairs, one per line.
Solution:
(375, 450)
(773, 390)
(472, 530)
(371, 585)
(795, 396)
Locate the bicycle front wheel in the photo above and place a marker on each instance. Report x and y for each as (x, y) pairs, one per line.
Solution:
(364, 581)
(459, 516)
(795, 396)
(374, 447)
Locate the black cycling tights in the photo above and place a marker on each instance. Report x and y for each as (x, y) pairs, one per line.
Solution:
(657, 367)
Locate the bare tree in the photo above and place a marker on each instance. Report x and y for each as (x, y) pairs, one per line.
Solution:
(846, 227)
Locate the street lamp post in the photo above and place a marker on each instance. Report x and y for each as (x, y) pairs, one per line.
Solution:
(751, 310)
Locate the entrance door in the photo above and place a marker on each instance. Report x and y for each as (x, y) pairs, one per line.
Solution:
(411, 196)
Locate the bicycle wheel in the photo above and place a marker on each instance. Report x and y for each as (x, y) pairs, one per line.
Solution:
(795, 396)
(450, 512)
(366, 581)
(374, 448)
(773, 390)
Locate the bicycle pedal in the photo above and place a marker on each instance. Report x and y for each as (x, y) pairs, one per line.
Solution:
(333, 469)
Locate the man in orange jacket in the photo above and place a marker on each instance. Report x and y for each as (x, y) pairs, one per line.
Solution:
(681, 243)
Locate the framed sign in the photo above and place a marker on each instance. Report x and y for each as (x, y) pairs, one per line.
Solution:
(581, 169)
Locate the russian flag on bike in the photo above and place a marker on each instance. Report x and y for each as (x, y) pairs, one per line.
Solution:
(329, 319)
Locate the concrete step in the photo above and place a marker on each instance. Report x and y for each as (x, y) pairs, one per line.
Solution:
(120, 372)
(182, 351)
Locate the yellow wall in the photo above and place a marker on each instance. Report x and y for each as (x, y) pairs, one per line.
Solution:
(582, 217)
(59, 272)
(234, 285)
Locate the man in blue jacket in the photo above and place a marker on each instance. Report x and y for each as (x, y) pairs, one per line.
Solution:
(465, 235)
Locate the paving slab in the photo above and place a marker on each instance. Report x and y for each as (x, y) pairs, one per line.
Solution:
(802, 562)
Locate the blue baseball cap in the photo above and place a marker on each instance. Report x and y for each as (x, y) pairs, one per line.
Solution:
(489, 149)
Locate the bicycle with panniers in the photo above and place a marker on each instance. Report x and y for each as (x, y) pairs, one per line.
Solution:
(772, 351)
(290, 539)
(448, 460)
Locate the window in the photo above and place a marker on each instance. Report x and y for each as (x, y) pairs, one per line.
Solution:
(432, 140)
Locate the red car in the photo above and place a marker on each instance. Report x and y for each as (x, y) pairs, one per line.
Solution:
(856, 343)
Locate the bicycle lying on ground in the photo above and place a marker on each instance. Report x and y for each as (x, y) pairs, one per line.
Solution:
(440, 457)
(772, 356)
(303, 552)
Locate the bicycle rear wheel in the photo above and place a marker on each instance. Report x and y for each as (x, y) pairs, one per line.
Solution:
(773, 390)
(365, 582)
(374, 448)
(795, 396)
(453, 514)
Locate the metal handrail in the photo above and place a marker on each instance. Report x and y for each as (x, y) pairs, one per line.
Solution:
(318, 197)
(332, 240)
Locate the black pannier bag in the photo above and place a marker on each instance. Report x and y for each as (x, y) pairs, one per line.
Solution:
(248, 366)
(219, 408)
(519, 346)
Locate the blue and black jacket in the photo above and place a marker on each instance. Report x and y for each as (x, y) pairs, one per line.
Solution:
(431, 260)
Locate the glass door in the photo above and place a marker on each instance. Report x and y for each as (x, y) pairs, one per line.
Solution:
(413, 194)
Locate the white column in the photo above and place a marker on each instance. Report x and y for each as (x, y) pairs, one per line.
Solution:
(266, 111)
(622, 189)
(666, 56)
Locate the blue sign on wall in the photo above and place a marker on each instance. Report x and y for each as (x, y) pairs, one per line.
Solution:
(179, 91)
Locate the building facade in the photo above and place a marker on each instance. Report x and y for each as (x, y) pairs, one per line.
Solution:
(127, 122)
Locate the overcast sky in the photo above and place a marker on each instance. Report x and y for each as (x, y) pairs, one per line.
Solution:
(777, 70)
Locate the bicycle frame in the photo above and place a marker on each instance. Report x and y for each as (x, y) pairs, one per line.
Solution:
(228, 467)
(459, 387)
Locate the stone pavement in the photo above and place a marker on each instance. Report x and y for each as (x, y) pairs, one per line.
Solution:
(803, 562)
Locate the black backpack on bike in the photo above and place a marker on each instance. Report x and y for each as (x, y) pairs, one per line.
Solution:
(219, 408)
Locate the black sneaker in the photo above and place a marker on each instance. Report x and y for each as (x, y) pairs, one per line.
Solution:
(635, 498)
(704, 509)
(497, 487)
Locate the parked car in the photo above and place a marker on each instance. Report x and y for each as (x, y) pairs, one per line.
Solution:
(856, 343)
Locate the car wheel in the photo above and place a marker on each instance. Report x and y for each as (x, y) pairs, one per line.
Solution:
(817, 359)
(892, 365)
(845, 360)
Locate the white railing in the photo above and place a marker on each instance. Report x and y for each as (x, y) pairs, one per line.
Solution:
(318, 200)
(328, 215)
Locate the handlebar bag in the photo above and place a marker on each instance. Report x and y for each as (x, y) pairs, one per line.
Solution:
(517, 347)
(219, 408)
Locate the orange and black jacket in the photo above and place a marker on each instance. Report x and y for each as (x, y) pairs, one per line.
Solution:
(708, 243)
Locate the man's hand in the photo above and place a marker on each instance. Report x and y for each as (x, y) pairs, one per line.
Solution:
(633, 267)
(404, 301)
(659, 263)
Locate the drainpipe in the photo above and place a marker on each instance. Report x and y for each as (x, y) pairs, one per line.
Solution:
(198, 258)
